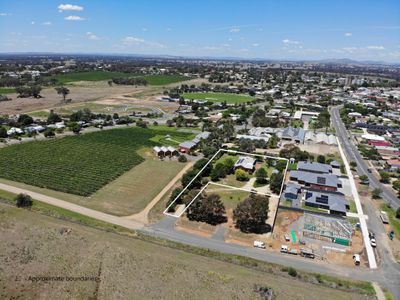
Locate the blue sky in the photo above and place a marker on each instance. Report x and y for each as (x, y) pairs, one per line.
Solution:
(362, 30)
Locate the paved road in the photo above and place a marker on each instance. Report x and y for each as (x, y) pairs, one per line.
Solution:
(352, 154)
(387, 276)
(389, 267)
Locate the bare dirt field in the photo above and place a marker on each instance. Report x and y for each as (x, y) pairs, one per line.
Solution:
(85, 91)
(95, 264)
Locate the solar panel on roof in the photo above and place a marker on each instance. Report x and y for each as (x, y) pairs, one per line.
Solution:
(321, 180)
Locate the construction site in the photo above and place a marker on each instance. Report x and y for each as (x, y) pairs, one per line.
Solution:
(330, 239)
(335, 230)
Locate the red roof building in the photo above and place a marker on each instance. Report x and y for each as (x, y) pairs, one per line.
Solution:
(379, 143)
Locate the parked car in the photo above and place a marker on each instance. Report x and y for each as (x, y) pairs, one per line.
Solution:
(371, 235)
(259, 244)
(372, 242)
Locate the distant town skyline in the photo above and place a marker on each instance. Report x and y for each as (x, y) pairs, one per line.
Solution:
(292, 30)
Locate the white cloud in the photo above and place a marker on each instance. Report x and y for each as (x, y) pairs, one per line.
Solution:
(144, 29)
(46, 23)
(349, 49)
(4, 14)
(74, 18)
(64, 7)
(375, 47)
(347, 34)
(168, 29)
(287, 41)
(234, 30)
(33, 22)
(256, 45)
(135, 41)
(92, 36)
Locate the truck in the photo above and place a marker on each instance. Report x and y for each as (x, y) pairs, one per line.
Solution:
(286, 249)
(259, 244)
(309, 253)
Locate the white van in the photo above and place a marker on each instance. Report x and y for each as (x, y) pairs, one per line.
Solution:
(356, 259)
(259, 244)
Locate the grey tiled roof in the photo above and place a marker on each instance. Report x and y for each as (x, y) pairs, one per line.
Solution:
(314, 178)
(294, 133)
(314, 167)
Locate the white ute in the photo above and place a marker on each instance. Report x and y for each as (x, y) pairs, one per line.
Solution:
(259, 244)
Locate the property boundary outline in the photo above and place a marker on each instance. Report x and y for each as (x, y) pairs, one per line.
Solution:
(205, 186)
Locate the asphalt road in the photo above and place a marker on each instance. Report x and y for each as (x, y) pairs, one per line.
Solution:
(352, 154)
(387, 275)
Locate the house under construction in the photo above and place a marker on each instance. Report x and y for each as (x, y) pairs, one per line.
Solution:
(330, 229)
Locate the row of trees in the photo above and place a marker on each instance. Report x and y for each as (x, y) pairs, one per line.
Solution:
(128, 81)
(28, 91)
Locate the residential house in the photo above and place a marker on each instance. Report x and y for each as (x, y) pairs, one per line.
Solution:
(314, 167)
(292, 191)
(322, 182)
(393, 164)
(245, 163)
(296, 135)
(336, 204)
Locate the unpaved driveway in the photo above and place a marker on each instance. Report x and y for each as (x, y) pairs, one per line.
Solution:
(130, 224)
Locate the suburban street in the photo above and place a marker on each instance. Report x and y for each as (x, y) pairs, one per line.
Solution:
(352, 154)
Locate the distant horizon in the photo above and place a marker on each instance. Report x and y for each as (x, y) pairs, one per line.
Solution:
(227, 58)
(366, 30)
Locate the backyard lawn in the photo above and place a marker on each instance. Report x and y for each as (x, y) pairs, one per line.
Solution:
(220, 97)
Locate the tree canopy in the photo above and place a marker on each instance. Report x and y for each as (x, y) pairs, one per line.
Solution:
(250, 215)
(208, 209)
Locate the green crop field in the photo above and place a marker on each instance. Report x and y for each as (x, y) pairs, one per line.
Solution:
(105, 75)
(91, 76)
(80, 164)
(220, 97)
(7, 91)
(164, 79)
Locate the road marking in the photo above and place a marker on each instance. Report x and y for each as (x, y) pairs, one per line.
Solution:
(363, 223)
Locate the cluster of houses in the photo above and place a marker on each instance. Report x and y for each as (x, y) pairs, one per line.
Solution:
(386, 149)
(290, 134)
(315, 184)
